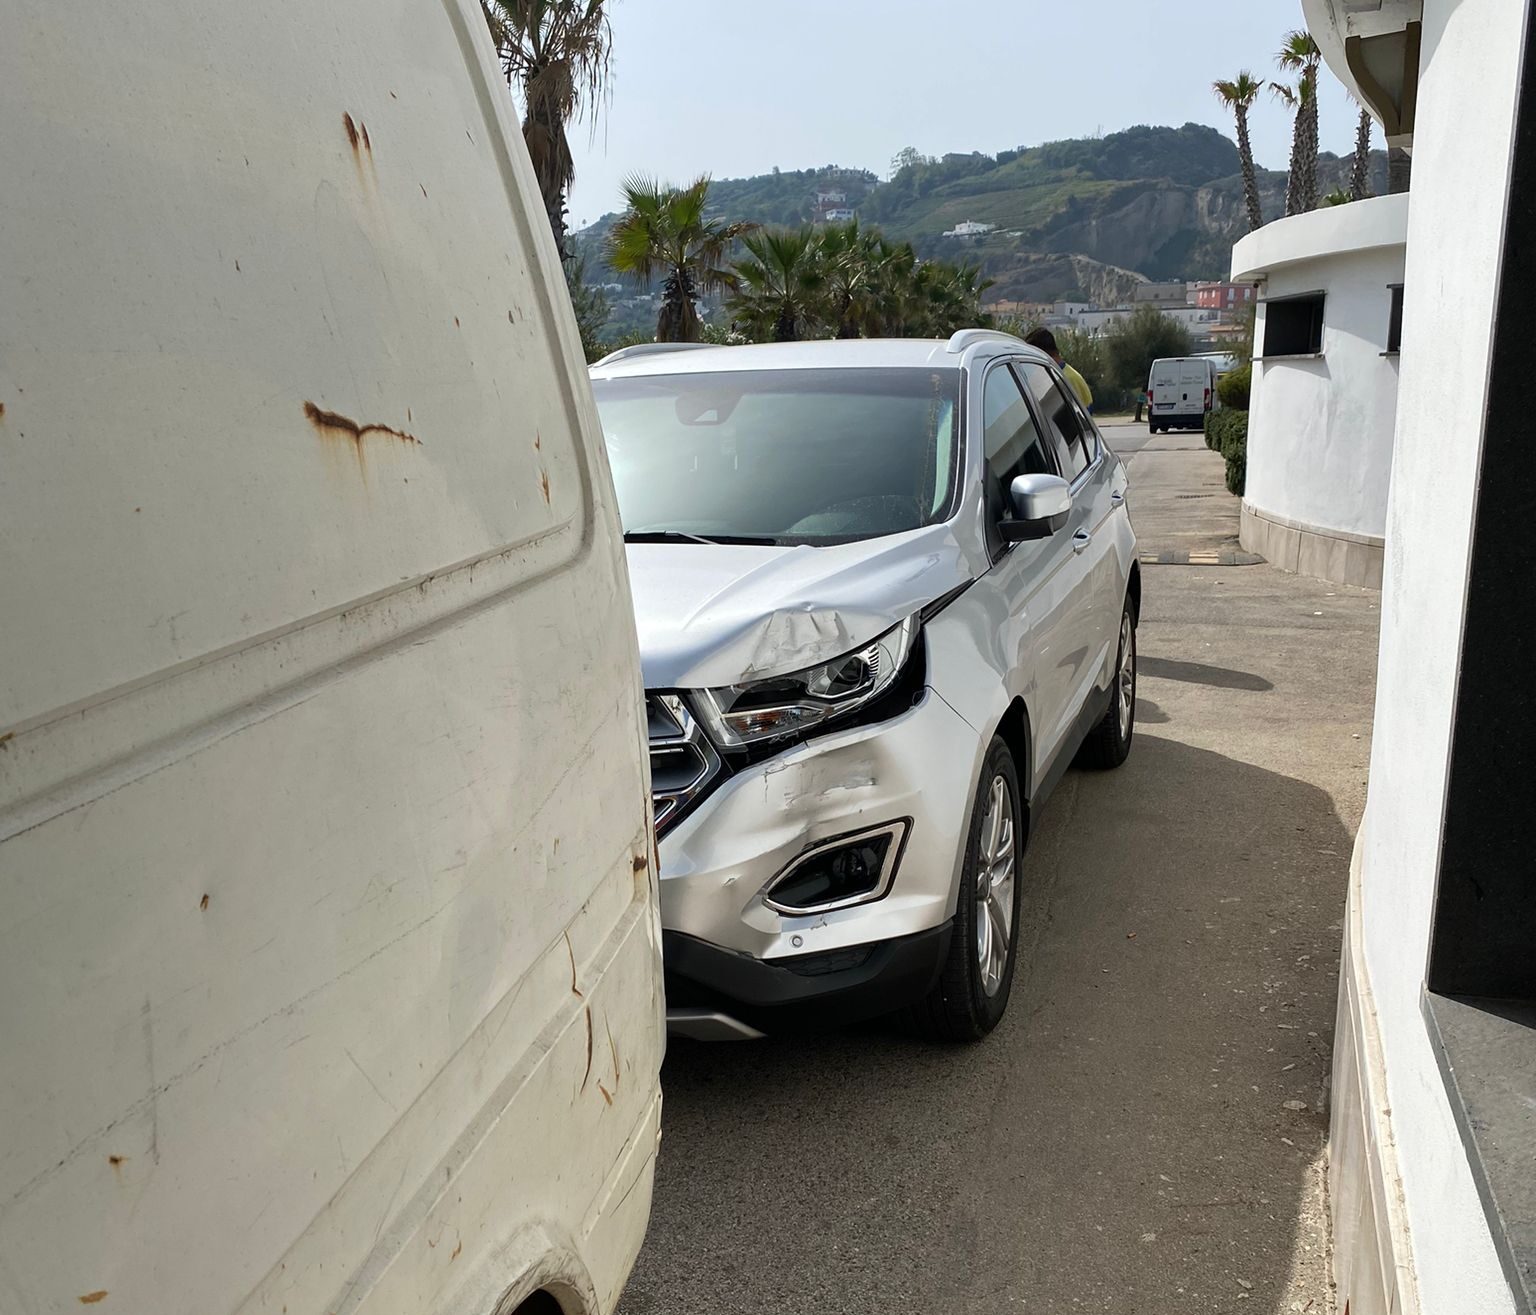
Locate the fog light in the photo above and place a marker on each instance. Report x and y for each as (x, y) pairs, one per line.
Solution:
(852, 869)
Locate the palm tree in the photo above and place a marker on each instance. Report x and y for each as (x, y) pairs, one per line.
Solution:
(1300, 55)
(941, 298)
(778, 287)
(558, 52)
(847, 254)
(892, 292)
(666, 233)
(1238, 95)
(1360, 170)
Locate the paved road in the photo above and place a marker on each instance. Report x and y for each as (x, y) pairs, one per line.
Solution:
(1126, 436)
(1122, 1142)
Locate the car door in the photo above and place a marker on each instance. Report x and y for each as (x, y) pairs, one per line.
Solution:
(1093, 574)
(1030, 587)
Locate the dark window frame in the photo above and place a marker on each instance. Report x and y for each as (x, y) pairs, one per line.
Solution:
(1298, 337)
(1395, 319)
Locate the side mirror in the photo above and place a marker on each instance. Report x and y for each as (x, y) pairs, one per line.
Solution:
(1040, 507)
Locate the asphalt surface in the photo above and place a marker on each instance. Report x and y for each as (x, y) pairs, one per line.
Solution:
(1144, 1131)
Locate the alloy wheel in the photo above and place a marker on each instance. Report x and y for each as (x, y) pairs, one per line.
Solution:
(996, 871)
(1125, 678)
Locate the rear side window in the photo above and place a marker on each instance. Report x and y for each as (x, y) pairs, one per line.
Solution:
(1062, 422)
(1012, 445)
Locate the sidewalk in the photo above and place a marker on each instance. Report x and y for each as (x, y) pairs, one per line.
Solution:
(1184, 514)
(1144, 1133)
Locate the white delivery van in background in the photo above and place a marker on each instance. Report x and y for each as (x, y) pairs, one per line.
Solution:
(329, 956)
(1181, 392)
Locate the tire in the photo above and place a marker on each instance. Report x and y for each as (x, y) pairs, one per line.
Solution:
(1109, 743)
(971, 994)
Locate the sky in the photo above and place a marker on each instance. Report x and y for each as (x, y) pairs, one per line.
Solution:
(732, 88)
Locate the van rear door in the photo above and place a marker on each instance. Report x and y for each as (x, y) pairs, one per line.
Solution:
(329, 955)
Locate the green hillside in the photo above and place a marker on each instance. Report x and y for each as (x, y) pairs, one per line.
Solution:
(1072, 219)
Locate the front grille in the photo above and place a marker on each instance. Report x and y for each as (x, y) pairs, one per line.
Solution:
(683, 763)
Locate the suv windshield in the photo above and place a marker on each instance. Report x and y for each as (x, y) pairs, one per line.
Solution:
(783, 456)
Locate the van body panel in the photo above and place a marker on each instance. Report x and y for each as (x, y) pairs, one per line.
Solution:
(1181, 390)
(329, 954)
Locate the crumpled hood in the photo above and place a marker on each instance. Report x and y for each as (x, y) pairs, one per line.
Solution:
(724, 614)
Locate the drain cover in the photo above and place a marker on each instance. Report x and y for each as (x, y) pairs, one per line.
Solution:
(1190, 497)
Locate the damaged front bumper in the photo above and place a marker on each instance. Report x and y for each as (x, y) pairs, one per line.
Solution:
(735, 956)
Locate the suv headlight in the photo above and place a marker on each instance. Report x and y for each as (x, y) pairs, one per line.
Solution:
(737, 715)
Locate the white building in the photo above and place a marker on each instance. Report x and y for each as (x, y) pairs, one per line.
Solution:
(969, 228)
(1324, 399)
(1433, 1160)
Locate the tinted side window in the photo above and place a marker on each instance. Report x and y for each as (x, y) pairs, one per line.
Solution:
(1011, 443)
(1062, 421)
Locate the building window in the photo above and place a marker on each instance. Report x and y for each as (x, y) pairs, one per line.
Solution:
(1293, 326)
(1395, 319)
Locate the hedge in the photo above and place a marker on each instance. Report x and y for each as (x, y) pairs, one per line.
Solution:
(1234, 386)
(1226, 431)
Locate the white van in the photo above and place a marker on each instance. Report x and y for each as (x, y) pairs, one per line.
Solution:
(329, 953)
(1181, 392)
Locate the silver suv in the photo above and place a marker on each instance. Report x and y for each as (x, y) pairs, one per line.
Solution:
(886, 591)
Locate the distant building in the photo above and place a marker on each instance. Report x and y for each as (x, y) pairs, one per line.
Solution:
(1161, 294)
(831, 207)
(1225, 296)
(969, 228)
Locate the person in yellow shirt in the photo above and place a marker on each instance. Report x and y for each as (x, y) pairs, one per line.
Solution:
(1045, 340)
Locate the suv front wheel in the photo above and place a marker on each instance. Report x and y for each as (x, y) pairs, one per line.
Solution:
(972, 991)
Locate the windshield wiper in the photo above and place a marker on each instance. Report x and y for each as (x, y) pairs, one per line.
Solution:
(682, 536)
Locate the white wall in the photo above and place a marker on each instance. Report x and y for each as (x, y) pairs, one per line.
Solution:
(1320, 431)
(1471, 51)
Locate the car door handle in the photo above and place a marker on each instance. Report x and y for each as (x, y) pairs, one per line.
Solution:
(1117, 498)
(1081, 540)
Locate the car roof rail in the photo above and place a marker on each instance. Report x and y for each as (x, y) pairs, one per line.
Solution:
(963, 338)
(649, 349)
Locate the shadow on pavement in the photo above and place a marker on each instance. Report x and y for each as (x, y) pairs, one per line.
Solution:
(1121, 1142)
(1198, 673)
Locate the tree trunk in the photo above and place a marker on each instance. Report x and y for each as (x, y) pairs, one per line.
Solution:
(1250, 179)
(678, 321)
(1309, 158)
(1293, 182)
(544, 135)
(1360, 172)
(786, 329)
(1399, 166)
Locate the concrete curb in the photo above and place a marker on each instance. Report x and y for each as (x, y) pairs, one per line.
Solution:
(1229, 557)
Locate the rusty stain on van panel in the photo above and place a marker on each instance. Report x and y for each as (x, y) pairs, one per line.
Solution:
(331, 424)
(91, 1298)
(351, 128)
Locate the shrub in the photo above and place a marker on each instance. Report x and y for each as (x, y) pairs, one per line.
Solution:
(1234, 386)
(1227, 432)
